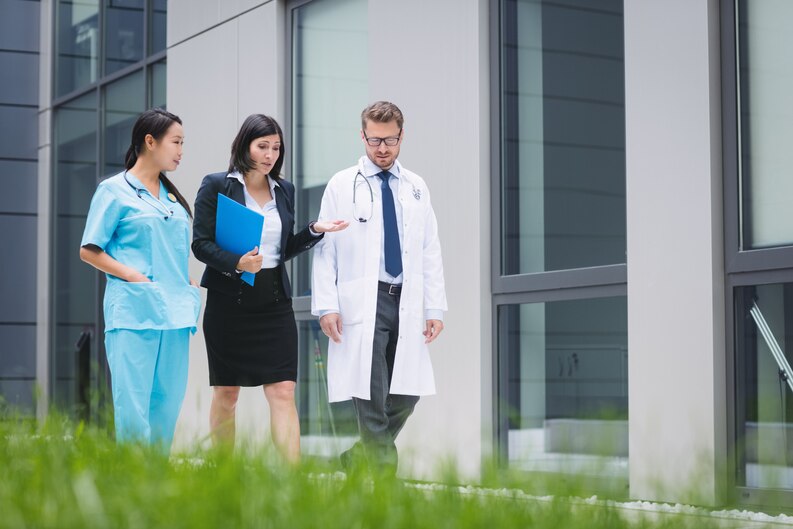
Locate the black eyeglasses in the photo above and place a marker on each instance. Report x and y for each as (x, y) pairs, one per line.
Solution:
(390, 141)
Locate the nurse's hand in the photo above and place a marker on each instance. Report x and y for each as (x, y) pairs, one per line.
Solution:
(327, 226)
(137, 277)
(331, 326)
(251, 261)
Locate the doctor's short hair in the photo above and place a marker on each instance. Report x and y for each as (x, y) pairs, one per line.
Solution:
(255, 126)
(382, 112)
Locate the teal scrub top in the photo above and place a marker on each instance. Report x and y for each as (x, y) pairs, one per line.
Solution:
(153, 237)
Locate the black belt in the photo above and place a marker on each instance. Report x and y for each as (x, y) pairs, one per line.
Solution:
(393, 290)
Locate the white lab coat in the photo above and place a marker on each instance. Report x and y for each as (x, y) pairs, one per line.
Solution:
(345, 274)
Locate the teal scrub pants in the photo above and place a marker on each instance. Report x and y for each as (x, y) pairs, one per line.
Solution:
(148, 371)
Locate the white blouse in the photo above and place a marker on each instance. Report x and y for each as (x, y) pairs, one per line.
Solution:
(270, 246)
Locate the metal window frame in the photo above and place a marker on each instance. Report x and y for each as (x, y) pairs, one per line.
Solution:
(301, 305)
(742, 267)
(540, 287)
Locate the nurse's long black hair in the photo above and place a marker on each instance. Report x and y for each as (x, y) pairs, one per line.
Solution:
(156, 122)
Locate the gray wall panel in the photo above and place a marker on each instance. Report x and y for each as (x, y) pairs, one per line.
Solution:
(19, 180)
(24, 74)
(18, 275)
(19, 25)
(18, 347)
(19, 132)
(17, 393)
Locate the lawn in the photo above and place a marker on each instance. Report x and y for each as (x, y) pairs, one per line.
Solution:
(58, 474)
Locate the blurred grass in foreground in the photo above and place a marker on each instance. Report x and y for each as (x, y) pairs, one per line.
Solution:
(60, 475)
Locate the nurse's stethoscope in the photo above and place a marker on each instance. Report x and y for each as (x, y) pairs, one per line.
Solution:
(155, 202)
(361, 218)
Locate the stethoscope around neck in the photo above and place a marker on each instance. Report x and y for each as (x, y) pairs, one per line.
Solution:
(155, 203)
(361, 218)
(359, 174)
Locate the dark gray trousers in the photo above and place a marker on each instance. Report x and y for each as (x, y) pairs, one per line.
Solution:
(381, 418)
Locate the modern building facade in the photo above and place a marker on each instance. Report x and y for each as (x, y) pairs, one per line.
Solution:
(19, 135)
(610, 181)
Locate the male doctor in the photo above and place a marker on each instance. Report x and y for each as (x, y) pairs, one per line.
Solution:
(378, 289)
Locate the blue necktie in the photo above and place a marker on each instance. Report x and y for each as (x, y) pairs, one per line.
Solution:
(393, 252)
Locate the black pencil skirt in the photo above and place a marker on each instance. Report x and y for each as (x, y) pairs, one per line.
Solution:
(251, 339)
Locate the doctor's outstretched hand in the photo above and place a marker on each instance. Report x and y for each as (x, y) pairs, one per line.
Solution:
(331, 326)
(432, 330)
(327, 226)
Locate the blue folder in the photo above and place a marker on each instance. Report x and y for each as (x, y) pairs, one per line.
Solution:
(238, 229)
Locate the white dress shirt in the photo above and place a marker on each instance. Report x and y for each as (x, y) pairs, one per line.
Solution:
(370, 171)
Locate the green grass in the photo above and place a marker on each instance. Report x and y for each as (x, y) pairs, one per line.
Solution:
(60, 475)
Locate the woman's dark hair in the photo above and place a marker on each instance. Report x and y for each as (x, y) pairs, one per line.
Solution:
(255, 126)
(156, 122)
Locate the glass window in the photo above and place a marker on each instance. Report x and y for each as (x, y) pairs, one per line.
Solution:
(320, 421)
(124, 100)
(764, 351)
(563, 135)
(123, 33)
(91, 137)
(329, 91)
(158, 16)
(566, 395)
(765, 67)
(75, 295)
(157, 86)
(77, 44)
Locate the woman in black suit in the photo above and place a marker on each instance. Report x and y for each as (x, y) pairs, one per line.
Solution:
(250, 331)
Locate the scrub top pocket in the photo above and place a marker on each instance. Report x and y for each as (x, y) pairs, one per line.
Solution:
(135, 306)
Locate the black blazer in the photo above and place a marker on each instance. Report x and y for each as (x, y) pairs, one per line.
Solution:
(220, 272)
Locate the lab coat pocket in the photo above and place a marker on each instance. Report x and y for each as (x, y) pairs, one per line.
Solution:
(351, 301)
(139, 306)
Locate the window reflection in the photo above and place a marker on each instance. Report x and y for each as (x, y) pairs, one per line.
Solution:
(325, 429)
(566, 395)
(158, 16)
(330, 90)
(766, 123)
(157, 80)
(77, 44)
(123, 33)
(563, 132)
(75, 293)
(124, 100)
(764, 326)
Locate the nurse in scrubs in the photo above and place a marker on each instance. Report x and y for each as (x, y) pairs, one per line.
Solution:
(138, 233)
